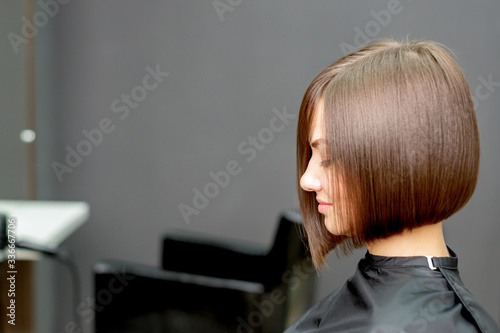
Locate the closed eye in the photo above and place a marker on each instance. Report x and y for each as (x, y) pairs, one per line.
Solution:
(325, 163)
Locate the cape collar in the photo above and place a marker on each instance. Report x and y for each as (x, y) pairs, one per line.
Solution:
(423, 261)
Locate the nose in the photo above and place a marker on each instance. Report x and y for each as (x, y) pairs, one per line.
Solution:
(310, 181)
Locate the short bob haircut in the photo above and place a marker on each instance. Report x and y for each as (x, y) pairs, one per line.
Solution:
(402, 137)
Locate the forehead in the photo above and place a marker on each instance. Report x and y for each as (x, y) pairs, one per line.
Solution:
(316, 129)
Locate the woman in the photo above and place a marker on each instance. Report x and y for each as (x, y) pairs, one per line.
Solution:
(388, 148)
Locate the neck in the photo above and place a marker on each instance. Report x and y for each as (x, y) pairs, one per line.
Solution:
(427, 240)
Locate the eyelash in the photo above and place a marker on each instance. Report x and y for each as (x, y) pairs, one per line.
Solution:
(325, 163)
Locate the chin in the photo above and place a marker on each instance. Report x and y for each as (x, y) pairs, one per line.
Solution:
(335, 228)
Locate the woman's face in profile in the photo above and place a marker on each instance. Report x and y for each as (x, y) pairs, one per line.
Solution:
(316, 177)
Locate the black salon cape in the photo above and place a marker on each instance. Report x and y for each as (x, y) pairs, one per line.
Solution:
(399, 294)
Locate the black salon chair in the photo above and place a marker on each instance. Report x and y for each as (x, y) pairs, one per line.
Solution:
(209, 286)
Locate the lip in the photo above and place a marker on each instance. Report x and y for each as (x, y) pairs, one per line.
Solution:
(323, 206)
(321, 202)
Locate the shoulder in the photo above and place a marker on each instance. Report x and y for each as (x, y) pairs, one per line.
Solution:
(327, 309)
(404, 300)
(313, 317)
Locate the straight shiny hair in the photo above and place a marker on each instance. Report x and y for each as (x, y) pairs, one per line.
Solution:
(402, 137)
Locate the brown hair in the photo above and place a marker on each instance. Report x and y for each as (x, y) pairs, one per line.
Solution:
(401, 133)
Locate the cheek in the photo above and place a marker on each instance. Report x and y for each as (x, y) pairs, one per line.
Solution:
(326, 181)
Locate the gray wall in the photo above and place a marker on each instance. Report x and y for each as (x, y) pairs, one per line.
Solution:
(225, 78)
(12, 106)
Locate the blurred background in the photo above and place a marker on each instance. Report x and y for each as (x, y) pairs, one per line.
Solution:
(178, 90)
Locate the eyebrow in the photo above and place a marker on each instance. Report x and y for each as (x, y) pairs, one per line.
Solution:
(317, 142)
